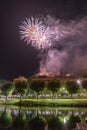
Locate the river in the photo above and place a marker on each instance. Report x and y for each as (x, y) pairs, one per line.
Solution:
(41, 118)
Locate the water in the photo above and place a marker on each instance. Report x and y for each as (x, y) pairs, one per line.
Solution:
(12, 118)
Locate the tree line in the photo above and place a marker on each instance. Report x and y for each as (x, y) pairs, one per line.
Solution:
(22, 86)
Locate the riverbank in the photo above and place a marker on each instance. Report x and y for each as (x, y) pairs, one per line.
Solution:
(54, 102)
(44, 102)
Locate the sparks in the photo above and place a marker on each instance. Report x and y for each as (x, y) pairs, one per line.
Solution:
(34, 32)
(45, 33)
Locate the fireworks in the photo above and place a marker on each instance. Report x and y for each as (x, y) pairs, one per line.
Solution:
(45, 33)
(35, 32)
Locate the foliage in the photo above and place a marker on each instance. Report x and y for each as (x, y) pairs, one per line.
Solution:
(30, 93)
(37, 86)
(72, 87)
(54, 123)
(7, 88)
(84, 84)
(72, 121)
(19, 122)
(6, 120)
(21, 85)
(37, 123)
(54, 85)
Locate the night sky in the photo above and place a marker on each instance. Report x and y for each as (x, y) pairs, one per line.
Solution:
(16, 58)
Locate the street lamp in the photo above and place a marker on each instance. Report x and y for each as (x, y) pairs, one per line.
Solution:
(78, 81)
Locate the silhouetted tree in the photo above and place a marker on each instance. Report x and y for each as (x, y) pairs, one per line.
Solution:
(54, 123)
(7, 88)
(38, 123)
(53, 86)
(21, 86)
(6, 120)
(72, 121)
(84, 84)
(37, 86)
(72, 87)
(19, 123)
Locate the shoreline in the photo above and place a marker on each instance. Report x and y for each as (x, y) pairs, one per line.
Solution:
(46, 102)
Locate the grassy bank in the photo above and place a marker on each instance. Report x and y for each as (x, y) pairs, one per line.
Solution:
(45, 102)
(54, 102)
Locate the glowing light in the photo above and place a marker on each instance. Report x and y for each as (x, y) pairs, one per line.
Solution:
(63, 88)
(35, 32)
(64, 120)
(78, 81)
(45, 32)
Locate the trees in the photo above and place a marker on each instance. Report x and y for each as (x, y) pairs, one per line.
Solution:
(7, 88)
(54, 123)
(72, 87)
(37, 86)
(53, 86)
(19, 122)
(72, 121)
(37, 123)
(21, 86)
(6, 120)
(84, 84)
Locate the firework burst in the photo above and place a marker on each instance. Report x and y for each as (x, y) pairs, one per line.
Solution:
(45, 33)
(35, 32)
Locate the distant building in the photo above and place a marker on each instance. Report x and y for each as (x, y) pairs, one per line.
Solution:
(45, 73)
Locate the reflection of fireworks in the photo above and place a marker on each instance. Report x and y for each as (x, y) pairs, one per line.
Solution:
(33, 31)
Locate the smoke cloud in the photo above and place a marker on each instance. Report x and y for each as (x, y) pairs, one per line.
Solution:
(72, 57)
(54, 61)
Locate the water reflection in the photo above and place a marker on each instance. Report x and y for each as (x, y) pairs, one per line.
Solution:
(40, 119)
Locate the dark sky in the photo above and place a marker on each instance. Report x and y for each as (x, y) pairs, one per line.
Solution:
(16, 58)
